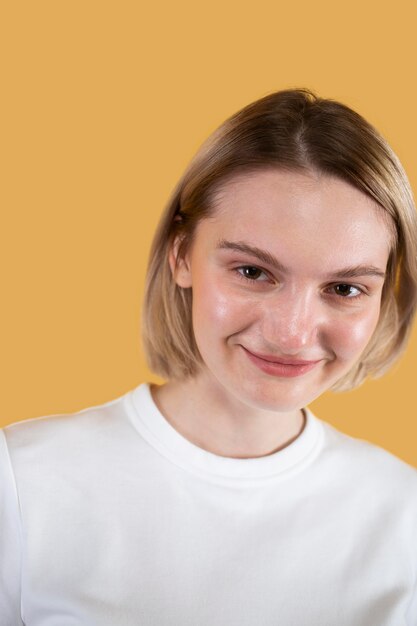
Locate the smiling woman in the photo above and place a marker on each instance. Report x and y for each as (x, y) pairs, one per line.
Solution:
(284, 265)
(290, 309)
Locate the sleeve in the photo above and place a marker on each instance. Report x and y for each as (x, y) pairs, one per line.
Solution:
(10, 542)
(411, 617)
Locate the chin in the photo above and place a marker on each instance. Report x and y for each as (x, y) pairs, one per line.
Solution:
(272, 398)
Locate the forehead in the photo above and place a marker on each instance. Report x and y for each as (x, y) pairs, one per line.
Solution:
(290, 211)
(294, 190)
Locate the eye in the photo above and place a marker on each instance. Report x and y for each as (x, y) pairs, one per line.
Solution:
(347, 291)
(251, 272)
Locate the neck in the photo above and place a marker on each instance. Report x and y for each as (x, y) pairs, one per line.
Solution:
(223, 425)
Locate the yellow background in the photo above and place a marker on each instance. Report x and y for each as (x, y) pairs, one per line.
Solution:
(103, 104)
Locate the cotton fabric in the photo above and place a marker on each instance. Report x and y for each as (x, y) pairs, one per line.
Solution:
(110, 517)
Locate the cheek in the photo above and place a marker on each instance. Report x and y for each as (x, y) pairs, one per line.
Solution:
(210, 310)
(352, 336)
(217, 310)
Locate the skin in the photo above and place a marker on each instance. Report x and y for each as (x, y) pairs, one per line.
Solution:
(308, 307)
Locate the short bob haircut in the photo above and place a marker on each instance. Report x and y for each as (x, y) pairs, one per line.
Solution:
(292, 130)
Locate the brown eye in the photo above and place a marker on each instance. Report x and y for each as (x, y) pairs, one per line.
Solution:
(347, 291)
(251, 272)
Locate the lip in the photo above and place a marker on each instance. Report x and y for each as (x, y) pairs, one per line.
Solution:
(281, 366)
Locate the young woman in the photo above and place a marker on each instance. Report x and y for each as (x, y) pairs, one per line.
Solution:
(284, 265)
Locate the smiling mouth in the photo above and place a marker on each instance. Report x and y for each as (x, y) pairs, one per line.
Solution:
(281, 366)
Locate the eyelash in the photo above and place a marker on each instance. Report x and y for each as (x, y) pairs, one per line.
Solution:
(254, 280)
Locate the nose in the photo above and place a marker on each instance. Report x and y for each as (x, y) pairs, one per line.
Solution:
(292, 322)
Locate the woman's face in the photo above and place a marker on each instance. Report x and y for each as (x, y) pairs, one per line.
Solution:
(286, 278)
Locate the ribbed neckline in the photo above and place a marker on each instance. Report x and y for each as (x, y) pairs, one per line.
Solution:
(159, 433)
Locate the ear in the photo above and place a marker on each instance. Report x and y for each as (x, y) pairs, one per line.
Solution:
(180, 265)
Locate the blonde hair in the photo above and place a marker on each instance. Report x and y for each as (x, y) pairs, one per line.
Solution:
(294, 130)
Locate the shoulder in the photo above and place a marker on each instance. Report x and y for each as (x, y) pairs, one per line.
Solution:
(368, 467)
(67, 433)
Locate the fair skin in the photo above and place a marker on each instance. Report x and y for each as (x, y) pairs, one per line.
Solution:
(286, 277)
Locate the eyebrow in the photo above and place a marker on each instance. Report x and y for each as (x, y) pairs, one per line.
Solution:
(272, 261)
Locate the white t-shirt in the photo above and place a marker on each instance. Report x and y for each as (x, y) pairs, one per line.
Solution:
(109, 517)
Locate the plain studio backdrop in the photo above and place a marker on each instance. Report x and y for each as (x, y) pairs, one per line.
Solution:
(103, 105)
